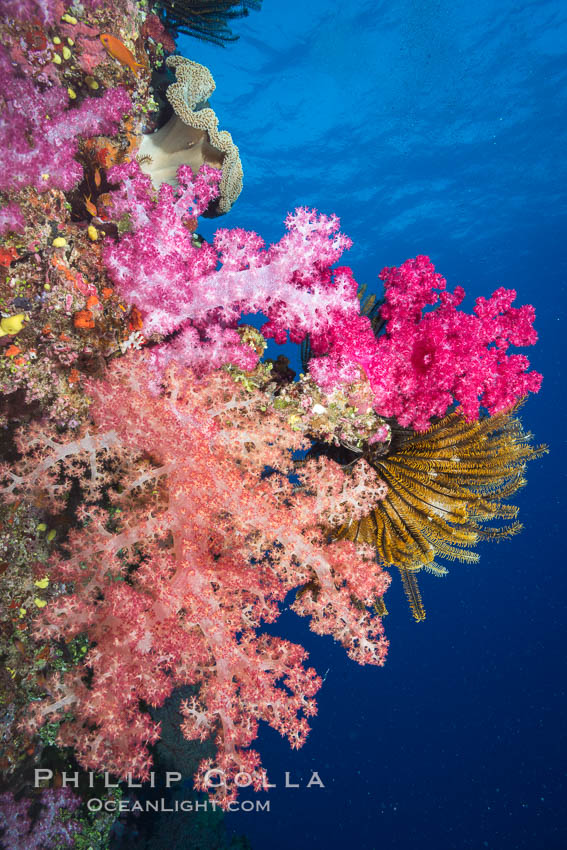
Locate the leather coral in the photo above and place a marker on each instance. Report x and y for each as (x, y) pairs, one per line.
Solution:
(191, 136)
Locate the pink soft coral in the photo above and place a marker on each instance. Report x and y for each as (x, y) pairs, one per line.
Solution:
(204, 290)
(342, 496)
(424, 363)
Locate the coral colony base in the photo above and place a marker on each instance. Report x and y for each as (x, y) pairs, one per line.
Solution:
(165, 487)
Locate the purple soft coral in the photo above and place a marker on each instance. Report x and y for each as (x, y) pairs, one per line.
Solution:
(48, 829)
(46, 11)
(39, 134)
(11, 219)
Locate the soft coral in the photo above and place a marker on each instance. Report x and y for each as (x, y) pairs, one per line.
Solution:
(206, 548)
(39, 133)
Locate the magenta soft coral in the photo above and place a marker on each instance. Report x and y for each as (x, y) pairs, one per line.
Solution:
(206, 550)
(446, 354)
(426, 361)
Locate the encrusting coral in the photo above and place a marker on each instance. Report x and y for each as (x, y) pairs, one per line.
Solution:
(191, 137)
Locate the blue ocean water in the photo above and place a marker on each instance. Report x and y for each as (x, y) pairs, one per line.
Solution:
(436, 128)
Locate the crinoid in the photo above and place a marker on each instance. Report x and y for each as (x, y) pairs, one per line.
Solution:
(445, 488)
(205, 19)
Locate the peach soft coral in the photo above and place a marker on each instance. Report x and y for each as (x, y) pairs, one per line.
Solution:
(173, 590)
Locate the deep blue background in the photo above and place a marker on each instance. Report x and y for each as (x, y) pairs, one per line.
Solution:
(439, 128)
